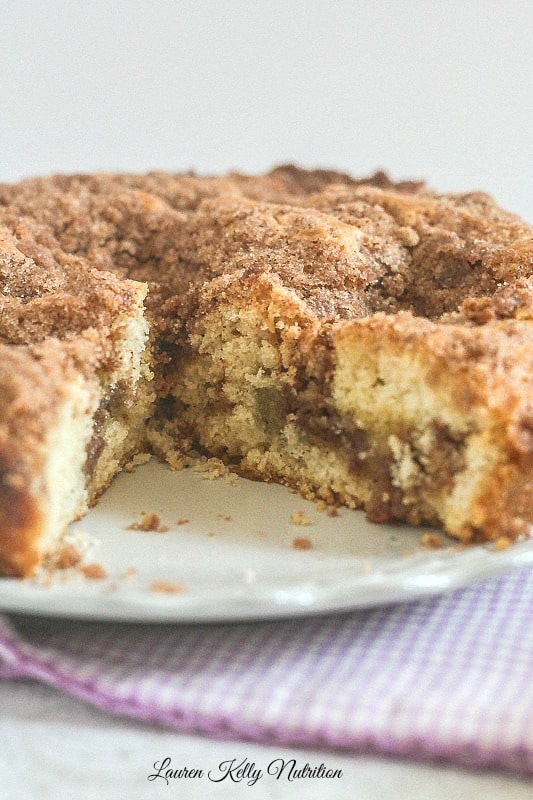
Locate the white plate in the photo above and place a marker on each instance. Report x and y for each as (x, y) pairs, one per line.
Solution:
(235, 558)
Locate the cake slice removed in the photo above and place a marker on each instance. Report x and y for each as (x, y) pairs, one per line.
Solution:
(74, 389)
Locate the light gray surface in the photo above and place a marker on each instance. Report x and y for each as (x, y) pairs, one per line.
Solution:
(56, 748)
(440, 90)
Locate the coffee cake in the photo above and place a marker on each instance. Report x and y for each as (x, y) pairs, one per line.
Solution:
(366, 342)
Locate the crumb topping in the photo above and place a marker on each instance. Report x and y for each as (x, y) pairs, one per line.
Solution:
(45, 292)
(347, 247)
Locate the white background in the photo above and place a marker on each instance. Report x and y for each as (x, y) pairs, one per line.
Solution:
(441, 90)
(435, 89)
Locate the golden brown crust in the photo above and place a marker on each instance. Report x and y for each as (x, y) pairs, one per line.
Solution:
(348, 247)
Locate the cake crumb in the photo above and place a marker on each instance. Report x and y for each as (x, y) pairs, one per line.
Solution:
(166, 587)
(183, 521)
(225, 517)
(302, 543)
(93, 571)
(502, 543)
(231, 478)
(68, 556)
(130, 572)
(136, 461)
(149, 522)
(431, 541)
(300, 518)
(211, 468)
(332, 512)
(211, 533)
(176, 460)
(321, 505)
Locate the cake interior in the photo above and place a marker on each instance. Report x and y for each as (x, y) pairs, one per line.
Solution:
(366, 414)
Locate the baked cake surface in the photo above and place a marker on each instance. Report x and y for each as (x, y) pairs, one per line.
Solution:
(366, 342)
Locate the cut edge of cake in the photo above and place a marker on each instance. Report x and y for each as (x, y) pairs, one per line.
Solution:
(73, 413)
(409, 419)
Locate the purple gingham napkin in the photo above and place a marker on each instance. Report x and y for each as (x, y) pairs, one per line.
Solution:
(446, 679)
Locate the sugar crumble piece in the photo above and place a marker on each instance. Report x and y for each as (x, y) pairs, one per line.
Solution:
(93, 571)
(149, 522)
(166, 587)
(183, 521)
(68, 556)
(321, 505)
(501, 543)
(300, 518)
(302, 543)
(431, 540)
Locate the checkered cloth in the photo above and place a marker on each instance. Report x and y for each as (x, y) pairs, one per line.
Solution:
(446, 679)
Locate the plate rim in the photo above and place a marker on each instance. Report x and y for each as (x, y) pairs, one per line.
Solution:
(442, 575)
